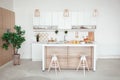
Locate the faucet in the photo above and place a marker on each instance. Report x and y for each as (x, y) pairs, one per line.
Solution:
(65, 32)
(64, 38)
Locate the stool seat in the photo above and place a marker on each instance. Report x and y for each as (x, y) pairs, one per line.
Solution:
(54, 58)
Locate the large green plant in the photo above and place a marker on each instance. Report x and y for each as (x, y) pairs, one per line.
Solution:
(13, 38)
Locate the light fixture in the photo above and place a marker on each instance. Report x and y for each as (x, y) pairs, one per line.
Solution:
(37, 13)
(95, 13)
(66, 13)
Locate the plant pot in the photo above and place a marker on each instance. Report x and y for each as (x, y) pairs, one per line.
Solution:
(16, 59)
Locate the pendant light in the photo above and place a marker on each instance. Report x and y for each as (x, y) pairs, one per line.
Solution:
(37, 13)
(66, 13)
(95, 13)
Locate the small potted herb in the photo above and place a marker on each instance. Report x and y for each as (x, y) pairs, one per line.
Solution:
(65, 32)
(37, 37)
(56, 31)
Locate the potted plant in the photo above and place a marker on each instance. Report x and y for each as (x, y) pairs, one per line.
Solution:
(15, 39)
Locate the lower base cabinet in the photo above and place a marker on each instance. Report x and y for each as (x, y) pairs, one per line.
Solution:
(68, 57)
(75, 53)
(36, 52)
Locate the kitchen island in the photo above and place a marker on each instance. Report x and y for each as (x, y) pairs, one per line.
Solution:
(68, 55)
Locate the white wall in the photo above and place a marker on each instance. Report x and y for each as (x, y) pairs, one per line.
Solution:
(8, 4)
(108, 25)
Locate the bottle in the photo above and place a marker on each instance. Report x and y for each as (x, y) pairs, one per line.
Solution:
(37, 37)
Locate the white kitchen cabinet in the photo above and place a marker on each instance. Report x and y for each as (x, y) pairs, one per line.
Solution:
(36, 52)
(85, 18)
(57, 19)
(44, 19)
(36, 21)
(64, 22)
(75, 18)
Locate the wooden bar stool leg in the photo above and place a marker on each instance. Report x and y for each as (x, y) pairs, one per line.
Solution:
(79, 65)
(58, 66)
(50, 66)
(55, 67)
(87, 65)
(54, 64)
(83, 63)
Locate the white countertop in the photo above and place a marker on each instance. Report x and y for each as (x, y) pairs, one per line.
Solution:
(69, 44)
(62, 44)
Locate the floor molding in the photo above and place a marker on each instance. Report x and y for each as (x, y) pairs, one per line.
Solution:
(10, 62)
(109, 57)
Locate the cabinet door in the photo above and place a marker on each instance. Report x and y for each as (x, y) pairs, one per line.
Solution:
(45, 19)
(75, 18)
(64, 22)
(60, 52)
(74, 54)
(55, 18)
(36, 52)
(36, 21)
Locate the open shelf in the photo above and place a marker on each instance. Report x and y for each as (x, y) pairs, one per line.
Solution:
(50, 30)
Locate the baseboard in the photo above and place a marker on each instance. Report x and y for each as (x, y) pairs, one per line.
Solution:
(98, 57)
(25, 58)
(10, 62)
(109, 57)
(36, 60)
(32, 59)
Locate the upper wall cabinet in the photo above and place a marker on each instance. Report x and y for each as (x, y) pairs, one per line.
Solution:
(82, 18)
(54, 20)
(46, 20)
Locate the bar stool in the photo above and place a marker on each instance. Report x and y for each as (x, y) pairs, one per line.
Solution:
(83, 63)
(54, 63)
